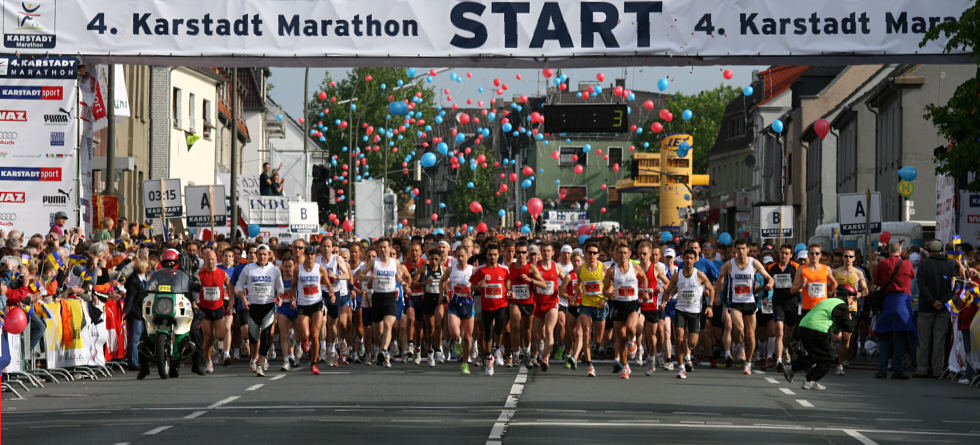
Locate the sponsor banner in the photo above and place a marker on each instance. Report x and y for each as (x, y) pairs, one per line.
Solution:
(267, 210)
(12, 67)
(38, 115)
(945, 208)
(498, 32)
(567, 219)
(33, 191)
(970, 217)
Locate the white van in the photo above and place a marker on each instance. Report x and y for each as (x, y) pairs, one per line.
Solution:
(607, 226)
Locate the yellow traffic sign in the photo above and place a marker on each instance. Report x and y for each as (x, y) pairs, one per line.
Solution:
(906, 188)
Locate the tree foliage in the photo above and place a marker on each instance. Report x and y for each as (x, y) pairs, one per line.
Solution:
(369, 113)
(957, 119)
(484, 190)
(708, 108)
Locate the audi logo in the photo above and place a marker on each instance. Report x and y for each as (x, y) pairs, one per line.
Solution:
(8, 135)
(8, 217)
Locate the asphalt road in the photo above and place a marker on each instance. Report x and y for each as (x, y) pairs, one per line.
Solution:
(409, 404)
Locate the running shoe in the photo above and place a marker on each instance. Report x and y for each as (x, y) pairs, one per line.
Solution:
(466, 368)
(688, 365)
(285, 366)
(729, 361)
(440, 357)
(813, 385)
(840, 369)
(380, 359)
(779, 366)
(788, 373)
(510, 362)
(568, 363)
(489, 366)
(259, 372)
(292, 360)
(560, 352)
(591, 371)
(632, 351)
(499, 357)
(651, 367)
(544, 365)
(668, 366)
(209, 368)
(251, 365)
(387, 362)
(747, 368)
(418, 358)
(458, 348)
(265, 364)
(432, 360)
(682, 374)
(227, 359)
(625, 375)
(617, 366)
(314, 370)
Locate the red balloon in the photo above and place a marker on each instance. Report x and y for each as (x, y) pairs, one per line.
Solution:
(600, 77)
(670, 117)
(885, 236)
(503, 188)
(602, 210)
(649, 105)
(656, 127)
(481, 227)
(349, 225)
(16, 320)
(618, 91)
(527, 170)
(322, 96)
(464, 118)
(579, 169)
(547, 73)
(534, 207)
(616, 167)
(435, 216)
(513, 177)
(822, 127)
(603, 186)
(728, 74)
(585, 229)
(476, 207)
(555, 155)
(664, 113)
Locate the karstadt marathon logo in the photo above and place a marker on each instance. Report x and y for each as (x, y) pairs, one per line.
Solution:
(33, 25)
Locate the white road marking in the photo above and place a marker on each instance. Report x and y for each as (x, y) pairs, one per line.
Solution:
(787, 391)
(277, 377)
(157, 430)
(255, 387)
(961, 421)
(510, 408)
(756, 371)
(772, 380)
(195, 414)
(415, 421)
(805, 403)
(882, 419)
(860, 437)
(121, 443)
(224, 401)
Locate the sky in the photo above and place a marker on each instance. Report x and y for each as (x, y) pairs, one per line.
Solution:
(288, 82)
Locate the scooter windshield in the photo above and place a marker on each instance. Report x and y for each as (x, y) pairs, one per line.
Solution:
(173, 281)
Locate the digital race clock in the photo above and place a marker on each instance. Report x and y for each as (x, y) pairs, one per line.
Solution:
(586, 118)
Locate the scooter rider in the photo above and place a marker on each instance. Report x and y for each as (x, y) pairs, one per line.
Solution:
(170, 259)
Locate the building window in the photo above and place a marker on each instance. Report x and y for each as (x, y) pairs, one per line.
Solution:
(206, 118)
(565, 160)
(175, 114)
(190, 114)
(572, 193)
(615, 156)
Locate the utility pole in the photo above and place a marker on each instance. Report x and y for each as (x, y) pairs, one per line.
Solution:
(306, 136)
(110, 152)
(234, 154)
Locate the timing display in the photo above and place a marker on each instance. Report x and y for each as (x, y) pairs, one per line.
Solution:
(586, 118)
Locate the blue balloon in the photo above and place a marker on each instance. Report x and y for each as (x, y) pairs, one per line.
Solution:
(410, 72)
(725, 239)
(279, 117)
(253, 230)
(442, 205)
(506, 127)
(460, 137)
(439, 231)
(524, 209)
(398, 108)
(587, 148)
(491, 116)
(582, 239)
(666, 237)
(687, 115)
(439, 119)
(748, 91)
(443, 148)
(525, 230)
(687, 197)
(631, 96)
(470, 185)
(663, 84)
(777, 126)
(908, 173)
(557, 181)
(384, 87)
(428, 160)
(526, 184)
(502, 213)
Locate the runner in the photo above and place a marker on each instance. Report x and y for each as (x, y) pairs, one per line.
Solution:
(563, 328)
(308, 302)
(430, 278)
(572, 292)
(214, 305)
(814, 279)
(670, 304)
(650, 305)
(384, 274)
(691, 286)
(458, 286)
(740, 294)
(849, 275)
(412, 320)
(286, 315)
(521, 306)
(262, 284)
(491, 281)
(785, 304)
(592, 312)
(546, 277)
(622, 284)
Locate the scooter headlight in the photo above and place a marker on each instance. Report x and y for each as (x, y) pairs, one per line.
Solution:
(163, 306)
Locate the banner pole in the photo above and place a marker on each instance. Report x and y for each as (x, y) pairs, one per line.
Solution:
(163, 211)
(211, 208)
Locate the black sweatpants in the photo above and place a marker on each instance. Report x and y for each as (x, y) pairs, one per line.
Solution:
(818, 359)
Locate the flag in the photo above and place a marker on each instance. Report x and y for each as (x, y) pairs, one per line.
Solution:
(77, 260)
(55, 260)
(834, 233)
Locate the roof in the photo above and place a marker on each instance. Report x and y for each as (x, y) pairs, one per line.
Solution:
(778, 79)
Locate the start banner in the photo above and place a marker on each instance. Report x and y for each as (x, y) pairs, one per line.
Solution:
(502, 33)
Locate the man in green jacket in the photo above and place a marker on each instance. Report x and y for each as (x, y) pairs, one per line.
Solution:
(838, 312)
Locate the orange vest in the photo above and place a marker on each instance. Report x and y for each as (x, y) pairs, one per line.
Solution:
(814, 285)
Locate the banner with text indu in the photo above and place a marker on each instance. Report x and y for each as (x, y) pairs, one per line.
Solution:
(500, 33)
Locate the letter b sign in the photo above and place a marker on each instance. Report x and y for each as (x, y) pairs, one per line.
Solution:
(776, 216)
(302, 214)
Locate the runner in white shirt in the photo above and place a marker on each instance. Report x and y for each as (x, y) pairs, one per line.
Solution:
(384, 274)
(308, 302)
(690, 285)
(262, 283)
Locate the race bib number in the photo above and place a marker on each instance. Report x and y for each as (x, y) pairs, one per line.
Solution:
(743, 292)
(626, 293)
(549, 290)
(648, 296)
(687, 297)
(494, 291)
(521, 291)
(783, 281)
(262, 290)
(816, 290)
(767, 306)
(311, 290)
(212, 293)
(433, 287)
(461, 291)
(383, 284)
(592, 287)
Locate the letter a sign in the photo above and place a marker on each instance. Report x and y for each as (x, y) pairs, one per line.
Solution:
(205, 205)
(853, 210)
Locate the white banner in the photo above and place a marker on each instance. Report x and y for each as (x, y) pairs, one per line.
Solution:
(267, 211)
(38, 136)
(205, 205)
(304, 217)
(120, 99)
(945, 208)
(162, 197)
(970, 218)
(345, 32)
(369, 211)
(776, 222)
(567, 219)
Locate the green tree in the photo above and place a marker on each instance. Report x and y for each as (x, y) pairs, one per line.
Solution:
(708, 108)
(957, 119)
(484, 190)
(363, 105)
